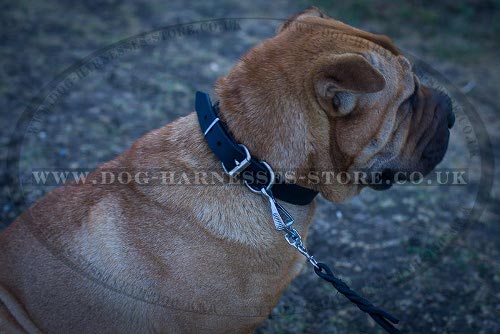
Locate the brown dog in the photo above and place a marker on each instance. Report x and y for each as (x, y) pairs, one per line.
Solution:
(320, 95)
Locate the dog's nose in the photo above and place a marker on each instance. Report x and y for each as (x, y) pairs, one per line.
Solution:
(451, 119)
(446, 105)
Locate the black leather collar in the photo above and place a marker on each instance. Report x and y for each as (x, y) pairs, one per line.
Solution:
(237, 160)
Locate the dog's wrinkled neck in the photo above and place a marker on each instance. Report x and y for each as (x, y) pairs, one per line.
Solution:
(272, 131)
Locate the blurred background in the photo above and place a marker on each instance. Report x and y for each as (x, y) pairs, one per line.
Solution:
(412, 250)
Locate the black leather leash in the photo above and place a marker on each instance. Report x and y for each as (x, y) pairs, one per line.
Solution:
(237, 161)
(380, 316)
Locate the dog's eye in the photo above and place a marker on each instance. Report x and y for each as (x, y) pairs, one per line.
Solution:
(343, 102)
(412, 99)
(336, 101)
(414, 96)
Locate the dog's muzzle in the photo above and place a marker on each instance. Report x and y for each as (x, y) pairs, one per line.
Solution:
(435, 138)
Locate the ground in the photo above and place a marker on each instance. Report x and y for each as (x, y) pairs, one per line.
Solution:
(412, 249)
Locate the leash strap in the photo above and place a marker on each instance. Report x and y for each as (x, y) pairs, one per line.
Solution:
(381, 317)
(283, 222)
(236, 160)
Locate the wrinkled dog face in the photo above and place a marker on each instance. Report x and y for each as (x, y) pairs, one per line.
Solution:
(381, 118)
(324, 96)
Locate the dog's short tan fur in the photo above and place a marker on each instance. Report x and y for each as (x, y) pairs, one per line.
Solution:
(320, 95)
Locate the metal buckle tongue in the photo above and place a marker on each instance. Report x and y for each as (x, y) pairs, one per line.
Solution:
(281, 218)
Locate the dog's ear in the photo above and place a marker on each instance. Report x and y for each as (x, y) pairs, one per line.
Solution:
(338, 78)
(309, 12)
(347, 72)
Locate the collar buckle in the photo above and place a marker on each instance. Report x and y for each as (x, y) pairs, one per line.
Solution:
(239, 165)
